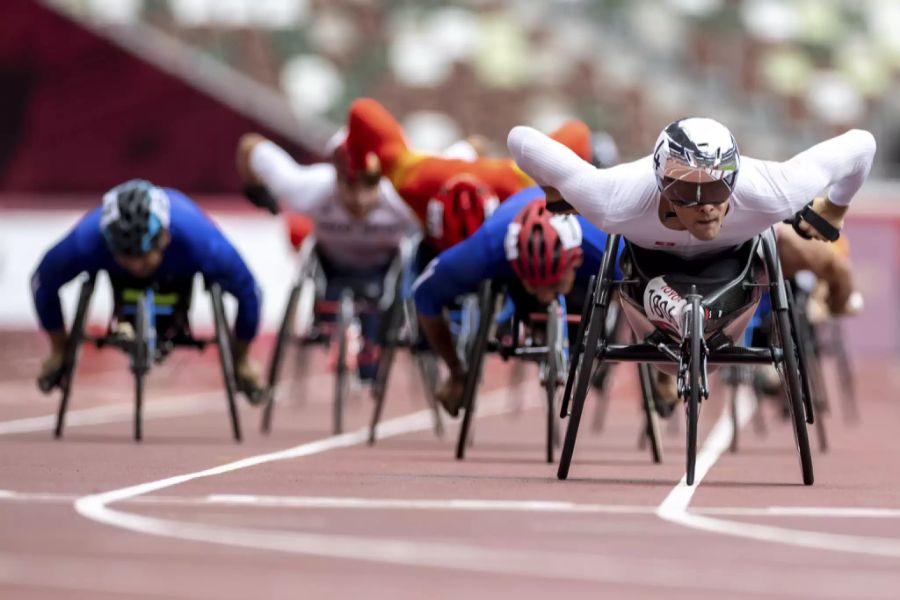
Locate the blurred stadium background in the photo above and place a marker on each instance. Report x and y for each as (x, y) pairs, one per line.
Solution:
(98, 91)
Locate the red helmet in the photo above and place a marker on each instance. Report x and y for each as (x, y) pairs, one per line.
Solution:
(348, 169)
(458, 210)
(540, 245)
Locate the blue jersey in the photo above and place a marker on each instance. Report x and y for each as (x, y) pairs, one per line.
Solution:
(196, 246)
(459, 270)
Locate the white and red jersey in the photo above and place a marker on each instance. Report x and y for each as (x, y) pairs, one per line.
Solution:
(312, 190)
(625, 199)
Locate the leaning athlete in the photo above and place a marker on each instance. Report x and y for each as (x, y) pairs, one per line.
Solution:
(147, 235)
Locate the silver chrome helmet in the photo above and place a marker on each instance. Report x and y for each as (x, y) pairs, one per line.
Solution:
(696, 162)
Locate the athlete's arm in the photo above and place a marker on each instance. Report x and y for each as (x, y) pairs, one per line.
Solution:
(828, 266)
(301, 186)
(81, 250)
(224, 265)
(453, 273)
(840, 164)
(603, 196)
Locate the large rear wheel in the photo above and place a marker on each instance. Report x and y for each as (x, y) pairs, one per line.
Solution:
(696, 358)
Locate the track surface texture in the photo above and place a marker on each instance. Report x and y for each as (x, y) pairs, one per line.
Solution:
(190, 514)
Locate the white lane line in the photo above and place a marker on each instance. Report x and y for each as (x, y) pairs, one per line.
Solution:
(613, 567)
(460, 505)
(825, 512)
(675, 506)
(173, 405)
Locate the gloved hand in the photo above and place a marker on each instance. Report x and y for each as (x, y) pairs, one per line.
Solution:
(450, 393)
(260, 196)
(51, 370)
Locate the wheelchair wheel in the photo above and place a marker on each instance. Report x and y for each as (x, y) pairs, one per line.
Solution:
(346, 314)
(553, 367)
(390, 328)
(577, 349)
(790, 371)
(696, 358)
(474, 363)
(140, 361)
(73, 347)
(226, 359)
(651, 419)
(281, 346)
(850, 409)
(810, 375)
(735, 386)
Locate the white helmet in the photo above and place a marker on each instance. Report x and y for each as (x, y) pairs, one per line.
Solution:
(696, 162)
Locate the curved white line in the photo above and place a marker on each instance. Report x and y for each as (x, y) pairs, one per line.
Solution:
(675, 506)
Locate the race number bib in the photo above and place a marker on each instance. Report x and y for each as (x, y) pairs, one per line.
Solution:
(663, 305)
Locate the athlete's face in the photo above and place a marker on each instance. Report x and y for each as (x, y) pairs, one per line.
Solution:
(545, 294)
(703, 221)
(359, 198)
(142, 267)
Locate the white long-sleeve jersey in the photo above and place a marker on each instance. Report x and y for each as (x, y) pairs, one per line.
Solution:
(625, 199)
(312, 190)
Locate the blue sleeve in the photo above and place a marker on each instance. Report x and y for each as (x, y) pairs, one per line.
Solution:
(457, 271)
(82, 250)
(223, 265)
(199, 245)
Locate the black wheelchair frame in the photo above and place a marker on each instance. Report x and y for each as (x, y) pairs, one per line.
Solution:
(693, 355)
(550, 358)
(650, 431)
(144, 351)
(305, 288)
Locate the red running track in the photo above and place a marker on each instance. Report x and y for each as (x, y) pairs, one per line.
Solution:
(95, 515)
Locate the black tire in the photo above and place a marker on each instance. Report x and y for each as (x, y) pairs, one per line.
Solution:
(578, 347)
(73, 348)
(389, 336)
(278, 353)
(849, 406)
(474, 363)
(595, 330)
(733, 408)
(651, 419)
(140, 362)
(226, 359)
(810, 376)
(346, 314)
(695, 327)
(553, 368)
(791, 377)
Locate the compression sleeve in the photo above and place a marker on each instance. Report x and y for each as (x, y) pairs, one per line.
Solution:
(455, 272)
(298, 185)
(226, 267)
(81, 250)
(842, 162)
(604, 197)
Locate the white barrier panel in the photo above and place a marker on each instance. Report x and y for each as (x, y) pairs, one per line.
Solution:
(26, 235)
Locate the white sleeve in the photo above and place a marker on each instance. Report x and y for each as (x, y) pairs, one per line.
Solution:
(603, 196)
(301, 187)
(841, 163)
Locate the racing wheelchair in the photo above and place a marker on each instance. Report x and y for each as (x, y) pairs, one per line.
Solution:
(687, 324)
(158, 319)
(311, 320)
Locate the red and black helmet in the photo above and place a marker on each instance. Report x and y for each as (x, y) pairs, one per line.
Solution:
(458, 209)
(368, 173)
(541, 246)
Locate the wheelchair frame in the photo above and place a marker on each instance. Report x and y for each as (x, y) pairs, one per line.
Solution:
(693, 355)
(304, 289)
(143, 352)
(550, 358)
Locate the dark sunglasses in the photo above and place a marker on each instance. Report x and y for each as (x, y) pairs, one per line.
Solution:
(688, 193)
